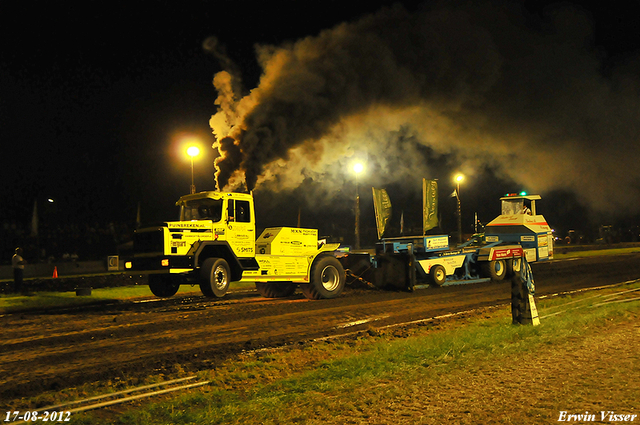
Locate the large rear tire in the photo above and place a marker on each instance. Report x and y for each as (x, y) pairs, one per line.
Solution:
(327, 279)
(162, 285)
(215, 277)
(275, 289)
(496, 270)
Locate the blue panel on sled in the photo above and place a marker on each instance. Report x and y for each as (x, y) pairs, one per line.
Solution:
(415, 244)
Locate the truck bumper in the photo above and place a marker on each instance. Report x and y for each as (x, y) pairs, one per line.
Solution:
(159, 265)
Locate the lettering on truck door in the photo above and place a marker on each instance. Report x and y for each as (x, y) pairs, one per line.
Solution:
(241, 229)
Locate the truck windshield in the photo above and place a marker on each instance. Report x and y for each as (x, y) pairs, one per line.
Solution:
(202, 209)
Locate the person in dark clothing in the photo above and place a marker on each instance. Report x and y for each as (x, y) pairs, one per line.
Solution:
(18, 270)
(523, 306)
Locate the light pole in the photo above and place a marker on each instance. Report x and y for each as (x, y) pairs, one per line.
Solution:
(357, 168)
(459, 179)
(193, 151)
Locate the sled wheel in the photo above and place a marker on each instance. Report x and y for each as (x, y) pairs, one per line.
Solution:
(514, 267)
(327, 279)
(496, 270)
(162, 286)
(214, 277)
(437, 275)
(275, 289)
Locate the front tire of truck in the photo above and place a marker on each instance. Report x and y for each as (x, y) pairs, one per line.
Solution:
(215, 276)
(327, 279)
(275, 289)
(162, 286)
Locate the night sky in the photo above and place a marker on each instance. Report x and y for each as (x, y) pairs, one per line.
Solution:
(95, 101)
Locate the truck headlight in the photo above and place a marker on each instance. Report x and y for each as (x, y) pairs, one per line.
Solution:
(128, 265)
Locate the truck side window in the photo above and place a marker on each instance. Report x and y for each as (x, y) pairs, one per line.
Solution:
(230, 211)
(242, 212)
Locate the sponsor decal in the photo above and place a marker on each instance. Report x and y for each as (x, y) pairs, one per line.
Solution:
(187, 225)
(499, 254)
(450, 253)
(437, 242)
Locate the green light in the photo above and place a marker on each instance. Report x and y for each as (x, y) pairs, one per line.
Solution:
(523, 193)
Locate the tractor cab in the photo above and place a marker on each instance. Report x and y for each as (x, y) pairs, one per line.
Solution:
(519, 204)
(519, 222)
(218, 216)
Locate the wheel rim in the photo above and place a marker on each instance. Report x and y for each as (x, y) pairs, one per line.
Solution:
(220, 277)
(517, 263)
(330, 278)
(499, 268)
(439, 275)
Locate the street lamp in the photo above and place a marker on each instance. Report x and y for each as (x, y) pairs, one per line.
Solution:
(193, 151)
(357, 168)
(459, 178)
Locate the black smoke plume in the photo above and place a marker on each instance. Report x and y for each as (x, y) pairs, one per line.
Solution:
(486, 83)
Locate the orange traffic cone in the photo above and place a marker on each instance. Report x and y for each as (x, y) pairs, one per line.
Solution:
(55, 272)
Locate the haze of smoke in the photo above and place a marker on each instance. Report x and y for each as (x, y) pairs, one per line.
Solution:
(474, 81)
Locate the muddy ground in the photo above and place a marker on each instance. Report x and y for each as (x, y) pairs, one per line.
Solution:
(40, 351)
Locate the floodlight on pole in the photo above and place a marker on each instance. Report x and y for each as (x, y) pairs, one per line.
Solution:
(459, 179)
(358, 168)
(193, 151)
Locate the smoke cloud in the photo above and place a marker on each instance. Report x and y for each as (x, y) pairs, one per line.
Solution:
(482, 83)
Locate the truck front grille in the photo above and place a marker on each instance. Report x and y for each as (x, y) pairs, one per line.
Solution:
(147, 241)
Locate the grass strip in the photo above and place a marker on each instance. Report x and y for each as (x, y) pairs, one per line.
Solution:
(558, 254)
(378, 374)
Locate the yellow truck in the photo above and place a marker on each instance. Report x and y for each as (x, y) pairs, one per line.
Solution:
(214, 244)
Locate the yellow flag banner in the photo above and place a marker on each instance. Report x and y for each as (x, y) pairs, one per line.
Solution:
(382, 206)
(429, 205)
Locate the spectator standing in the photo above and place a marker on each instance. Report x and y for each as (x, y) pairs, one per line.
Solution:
(18, 270)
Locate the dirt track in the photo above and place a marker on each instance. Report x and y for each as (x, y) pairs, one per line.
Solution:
(42, 351)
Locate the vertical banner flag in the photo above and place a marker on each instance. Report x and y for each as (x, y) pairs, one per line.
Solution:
(382, 206)
(429, 205)
(138, 217)
(34, 219)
